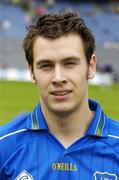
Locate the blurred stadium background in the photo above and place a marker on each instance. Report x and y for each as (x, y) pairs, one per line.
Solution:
(17, 94)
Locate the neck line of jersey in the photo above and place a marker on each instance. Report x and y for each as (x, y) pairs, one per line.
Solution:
(97, 127)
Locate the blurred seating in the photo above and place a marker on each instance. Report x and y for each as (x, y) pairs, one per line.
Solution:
(102, 19)
(12, 21)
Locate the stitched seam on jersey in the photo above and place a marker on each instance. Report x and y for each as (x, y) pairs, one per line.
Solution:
(11, 155)
(12, 133)
(116, 137)
(110, 147)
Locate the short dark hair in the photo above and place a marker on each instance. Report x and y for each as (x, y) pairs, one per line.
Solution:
(53, 26)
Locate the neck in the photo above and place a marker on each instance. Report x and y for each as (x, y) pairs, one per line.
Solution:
(69, 128)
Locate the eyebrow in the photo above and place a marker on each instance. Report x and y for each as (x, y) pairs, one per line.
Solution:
(75, 58)
(42, 61)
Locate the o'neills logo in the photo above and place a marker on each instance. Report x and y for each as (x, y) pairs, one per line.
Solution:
(64, 167)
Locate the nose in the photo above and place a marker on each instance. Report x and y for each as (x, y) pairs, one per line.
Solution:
(59, 76)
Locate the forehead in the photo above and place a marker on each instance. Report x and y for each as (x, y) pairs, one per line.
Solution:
(65, 46)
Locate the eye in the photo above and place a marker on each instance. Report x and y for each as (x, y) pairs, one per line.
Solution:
(46, 66)
(70, 64)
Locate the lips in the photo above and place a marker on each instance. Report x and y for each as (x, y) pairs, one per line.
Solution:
(60, 93)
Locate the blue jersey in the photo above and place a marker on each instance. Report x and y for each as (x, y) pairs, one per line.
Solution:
(28, 151)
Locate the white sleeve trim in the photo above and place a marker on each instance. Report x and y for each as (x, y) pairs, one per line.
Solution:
(12, 133)
(116, 137)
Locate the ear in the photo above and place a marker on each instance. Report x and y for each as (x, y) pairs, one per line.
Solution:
(92, 67)
(32, 74)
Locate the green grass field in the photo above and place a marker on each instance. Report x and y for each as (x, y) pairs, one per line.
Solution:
(19, 97)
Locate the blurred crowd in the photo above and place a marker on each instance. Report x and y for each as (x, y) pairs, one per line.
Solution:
(38, 7)
(101, 15)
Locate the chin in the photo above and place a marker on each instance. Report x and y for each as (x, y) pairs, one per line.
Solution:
(61, 113)
(61, 110)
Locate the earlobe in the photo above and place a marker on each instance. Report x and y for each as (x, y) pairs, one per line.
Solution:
(91, 74)
(92, 67)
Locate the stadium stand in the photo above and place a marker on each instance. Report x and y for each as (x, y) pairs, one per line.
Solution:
(103, 19)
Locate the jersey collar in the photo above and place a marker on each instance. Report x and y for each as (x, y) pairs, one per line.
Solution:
(97, 127)
(99, 124)
(36, 120)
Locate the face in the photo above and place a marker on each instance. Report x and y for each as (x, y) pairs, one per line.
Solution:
(61, 73)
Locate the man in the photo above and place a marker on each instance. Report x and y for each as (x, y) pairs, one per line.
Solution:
(66, 136)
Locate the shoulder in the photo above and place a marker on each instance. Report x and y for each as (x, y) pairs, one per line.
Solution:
(113, 128)
(12, 137)
(16, 124)
(10, 131)
(112, 139)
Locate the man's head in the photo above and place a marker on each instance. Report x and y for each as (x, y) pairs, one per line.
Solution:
(53, 26)
(60, 52)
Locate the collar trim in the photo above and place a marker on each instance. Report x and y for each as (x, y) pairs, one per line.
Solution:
(98, 126)
(99, 130)
(34, 117)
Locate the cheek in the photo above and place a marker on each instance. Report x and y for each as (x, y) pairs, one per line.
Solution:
(43, 81)
(80, 77)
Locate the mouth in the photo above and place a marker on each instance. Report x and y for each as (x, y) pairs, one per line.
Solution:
(61, 95)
